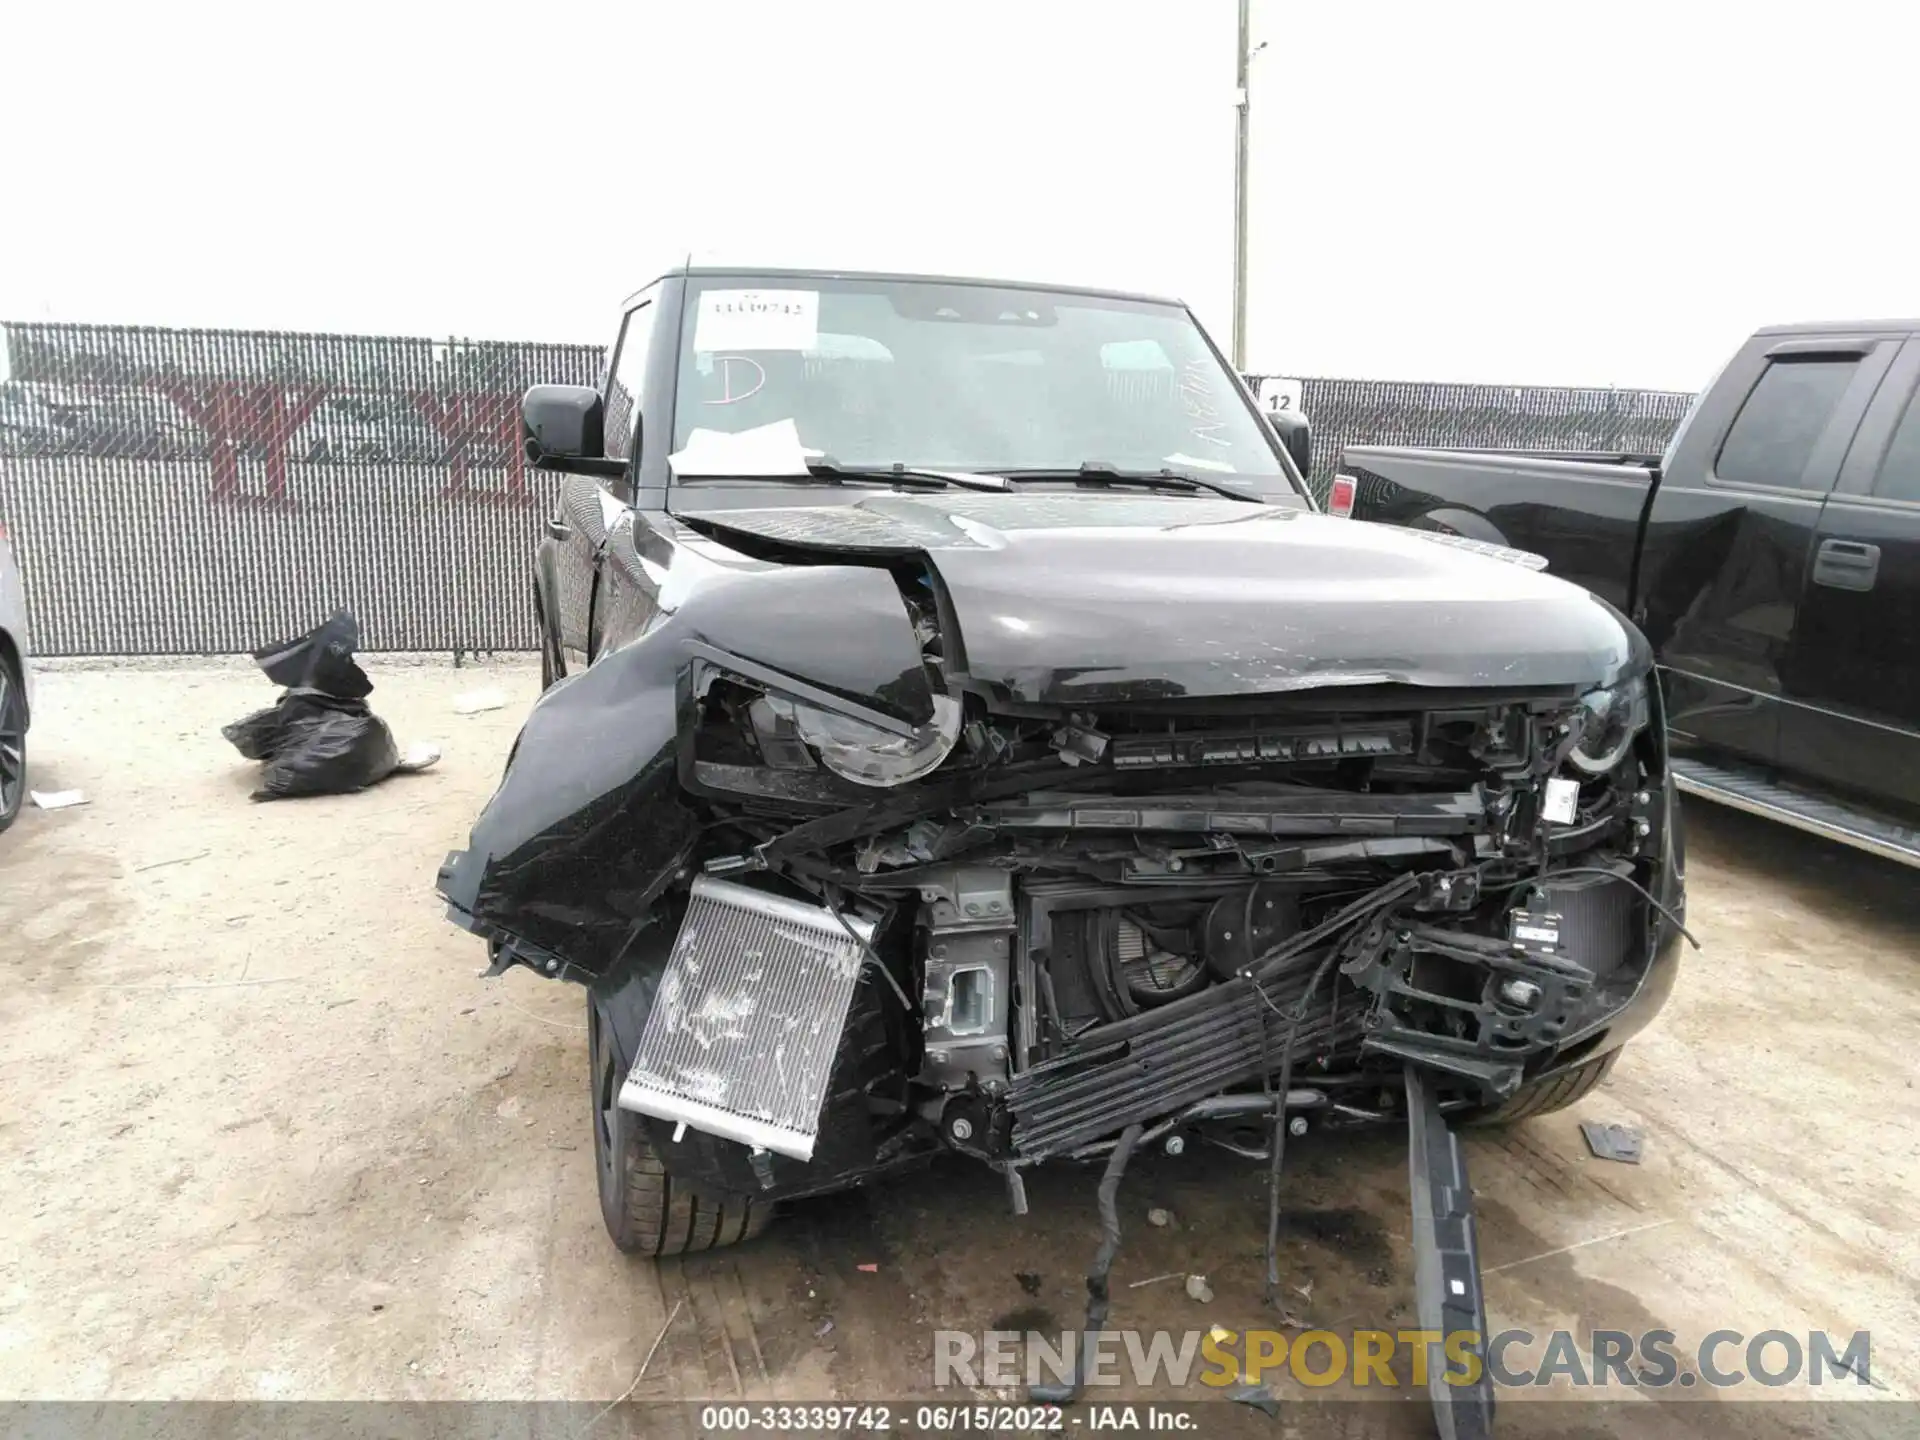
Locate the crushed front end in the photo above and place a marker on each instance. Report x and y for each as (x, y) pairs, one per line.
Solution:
(847, 925)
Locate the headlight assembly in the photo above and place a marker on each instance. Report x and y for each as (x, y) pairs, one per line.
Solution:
(1608, 720)
(793, 735)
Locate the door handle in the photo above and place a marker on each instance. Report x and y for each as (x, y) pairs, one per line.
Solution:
(1846, 565)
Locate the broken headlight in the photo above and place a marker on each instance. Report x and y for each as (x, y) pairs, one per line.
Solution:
(1608, 720)
(793, 735)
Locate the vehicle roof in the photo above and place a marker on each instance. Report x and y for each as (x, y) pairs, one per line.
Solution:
(714, 262)
(1842, 327)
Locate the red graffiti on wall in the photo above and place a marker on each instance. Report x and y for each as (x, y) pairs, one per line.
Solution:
(482, 431)
(247, 421)
(249, 433)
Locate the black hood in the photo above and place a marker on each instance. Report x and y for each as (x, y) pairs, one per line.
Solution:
(1077, 598)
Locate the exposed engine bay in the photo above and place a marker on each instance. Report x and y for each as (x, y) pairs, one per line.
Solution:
(983, 843)
(1190, 915)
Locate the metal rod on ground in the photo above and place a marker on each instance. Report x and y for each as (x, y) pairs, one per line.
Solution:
(1242, 59)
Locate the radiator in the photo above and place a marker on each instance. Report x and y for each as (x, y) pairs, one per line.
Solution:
(1600, 918)
(1164, 1059)
(741, 1038)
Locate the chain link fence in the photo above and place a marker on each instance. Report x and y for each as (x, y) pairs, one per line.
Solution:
(199, 491)
(1475, 417)
(207, 492)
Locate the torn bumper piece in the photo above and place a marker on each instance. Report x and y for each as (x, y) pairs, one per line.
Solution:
(592, 823)
(741, 1039)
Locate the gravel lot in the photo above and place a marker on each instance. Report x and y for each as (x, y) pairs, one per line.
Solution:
(267, 1135)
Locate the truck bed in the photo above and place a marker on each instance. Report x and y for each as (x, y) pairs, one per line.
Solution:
(1582, 512)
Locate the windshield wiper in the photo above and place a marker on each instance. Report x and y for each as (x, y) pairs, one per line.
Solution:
(1104, 473)
(825, 467)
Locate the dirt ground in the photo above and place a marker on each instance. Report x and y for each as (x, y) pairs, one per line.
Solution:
(266, 1134)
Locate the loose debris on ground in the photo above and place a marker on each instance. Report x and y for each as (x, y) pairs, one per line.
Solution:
(1612, 1142)
(1154, 1279)
(476, 701)
(1260, 1397)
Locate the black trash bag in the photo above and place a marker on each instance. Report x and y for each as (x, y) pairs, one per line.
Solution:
(322, 659)
(315, 744)
(327, 746)
(319, 737)
(263, 734)
(257, 736)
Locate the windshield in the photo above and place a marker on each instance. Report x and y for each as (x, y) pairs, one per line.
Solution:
(953, 376)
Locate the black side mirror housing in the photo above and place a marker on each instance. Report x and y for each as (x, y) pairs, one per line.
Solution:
(562, 422)
(1295, 435)
(564, 428)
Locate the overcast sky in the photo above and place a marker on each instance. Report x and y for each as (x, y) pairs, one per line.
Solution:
(1590, 194)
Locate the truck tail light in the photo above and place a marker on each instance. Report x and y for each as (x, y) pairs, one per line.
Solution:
(1340, 498)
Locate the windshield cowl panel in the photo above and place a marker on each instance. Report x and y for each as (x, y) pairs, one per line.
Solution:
(939, 375)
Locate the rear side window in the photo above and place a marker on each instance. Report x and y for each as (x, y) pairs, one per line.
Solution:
(1773, 436)
(1900, 471)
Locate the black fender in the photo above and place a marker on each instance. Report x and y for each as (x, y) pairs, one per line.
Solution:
(1669, 883)
(590, 824)
(626, 992)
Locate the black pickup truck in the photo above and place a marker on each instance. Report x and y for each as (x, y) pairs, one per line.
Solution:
(1771, 555)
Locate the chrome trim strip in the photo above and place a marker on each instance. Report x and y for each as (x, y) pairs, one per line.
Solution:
(1784, 700)
(1872, 845)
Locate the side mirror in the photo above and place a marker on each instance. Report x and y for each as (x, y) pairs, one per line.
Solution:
(564, 428)
(560, 423)
(1293, 432)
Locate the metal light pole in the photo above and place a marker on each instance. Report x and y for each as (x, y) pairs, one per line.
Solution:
(1242, 60)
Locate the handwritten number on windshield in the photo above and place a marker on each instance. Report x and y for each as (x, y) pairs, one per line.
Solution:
(1196, 397)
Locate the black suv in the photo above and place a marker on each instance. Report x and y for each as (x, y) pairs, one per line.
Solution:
(963, 734)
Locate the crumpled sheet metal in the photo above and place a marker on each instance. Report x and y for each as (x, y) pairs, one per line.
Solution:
(590, 822)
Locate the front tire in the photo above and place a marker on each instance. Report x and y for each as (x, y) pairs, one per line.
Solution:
(646, 1210)
(1550, 1092)
(13, 740)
